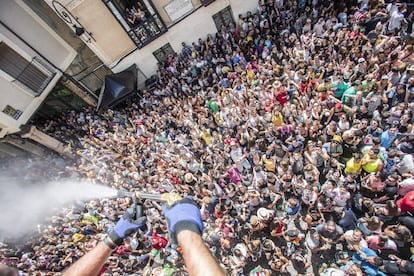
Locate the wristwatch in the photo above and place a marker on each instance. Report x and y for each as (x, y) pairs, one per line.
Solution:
(109, 243)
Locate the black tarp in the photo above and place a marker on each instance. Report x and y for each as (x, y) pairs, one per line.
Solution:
(118, 87)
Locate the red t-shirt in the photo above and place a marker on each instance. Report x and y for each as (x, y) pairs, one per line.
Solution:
(303, 87)
(103, 270)
(158, 241)
(406, 203)
(282, 97)
(279, 229)
(123, 250)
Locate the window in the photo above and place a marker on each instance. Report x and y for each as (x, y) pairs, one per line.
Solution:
(32, 75)
(223, 18)
(162, 53)
(139, 19)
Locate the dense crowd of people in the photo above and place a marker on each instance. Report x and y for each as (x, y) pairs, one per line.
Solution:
(293, 131)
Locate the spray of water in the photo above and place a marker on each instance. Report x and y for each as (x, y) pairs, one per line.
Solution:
(24, 205)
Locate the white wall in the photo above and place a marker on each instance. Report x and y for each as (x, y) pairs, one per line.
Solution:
(24, 22)
(199, 24)
(27, 25)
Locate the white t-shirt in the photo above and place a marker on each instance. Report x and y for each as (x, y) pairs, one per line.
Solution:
(395, 20)
(312, 243)
(406, 186)
(318, 28)
(236, 154)
(332, 271)
(348, 237)
(406, 164)
(340, 198)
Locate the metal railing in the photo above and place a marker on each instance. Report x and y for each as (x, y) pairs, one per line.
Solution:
(35, 76)
(93, 77)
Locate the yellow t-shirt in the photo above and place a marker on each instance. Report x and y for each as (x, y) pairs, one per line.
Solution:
(78, 237)
(269, 164)
(371, 166)
(250, 74)
(277, 120)
(352, 166)
(205, 135)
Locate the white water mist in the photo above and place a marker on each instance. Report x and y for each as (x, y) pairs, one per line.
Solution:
(24, 205)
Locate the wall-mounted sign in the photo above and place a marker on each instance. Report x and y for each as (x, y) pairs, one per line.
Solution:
(178, 8)
(14, 113)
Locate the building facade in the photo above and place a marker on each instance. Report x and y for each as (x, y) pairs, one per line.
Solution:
(54, 54)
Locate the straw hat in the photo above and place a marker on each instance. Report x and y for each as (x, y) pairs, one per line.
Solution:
(254, 221)
(188, 178)
(206, 200)
(276, 84)
(241, 248)
(263, 214)
(135, 176)
(360, 60)
(337, 138)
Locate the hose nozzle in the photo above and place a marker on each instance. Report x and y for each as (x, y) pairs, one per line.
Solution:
(124, 193)
(169, 198)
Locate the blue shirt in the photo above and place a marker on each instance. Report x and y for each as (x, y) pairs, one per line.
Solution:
(298, 148)
(367, 267)
(239, 88)
(224, 83)
(293, 210)
(387, 139)
(235, 59)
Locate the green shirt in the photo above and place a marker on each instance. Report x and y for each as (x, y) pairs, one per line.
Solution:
(350, 91)
(213, 106)
(340, 88)
(367, 86)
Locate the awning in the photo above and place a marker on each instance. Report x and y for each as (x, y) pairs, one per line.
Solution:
(118, 87)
